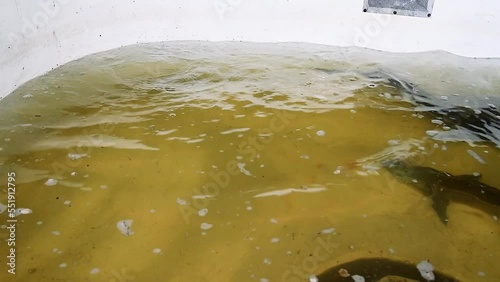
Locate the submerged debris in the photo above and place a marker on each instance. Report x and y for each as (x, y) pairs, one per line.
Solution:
(358, 278)
(125, 226)
(344, 273)
(476, 156)
(51, 182)
(313, 278)
(241, 166)
(426, 270)
(20, 211)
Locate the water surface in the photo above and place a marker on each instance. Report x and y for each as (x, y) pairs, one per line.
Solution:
(241, 162)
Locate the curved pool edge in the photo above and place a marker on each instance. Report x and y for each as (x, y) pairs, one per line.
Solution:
(46, 34)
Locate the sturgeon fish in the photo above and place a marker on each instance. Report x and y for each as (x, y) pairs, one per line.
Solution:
(378, 270)
(482, 121)
(440, 185)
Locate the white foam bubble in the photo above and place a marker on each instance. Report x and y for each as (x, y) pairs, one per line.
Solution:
(3, 208)
(313, 278)
(235, 130)
(432, 133)
(206, 226)
(328, 230)
(95, 271)
(287, 191)
(51, 182)
(73, 157)
(203, 212)
(165, 132)
(181, 202)
(394, 142)
(20, 211)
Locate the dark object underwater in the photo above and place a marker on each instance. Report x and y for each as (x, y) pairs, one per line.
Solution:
(483, 121)
(440, 185)
(375, 269)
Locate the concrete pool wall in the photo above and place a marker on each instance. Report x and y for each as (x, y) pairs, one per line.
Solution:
(38, 36)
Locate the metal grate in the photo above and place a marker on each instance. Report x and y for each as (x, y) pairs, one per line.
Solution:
(413, 8)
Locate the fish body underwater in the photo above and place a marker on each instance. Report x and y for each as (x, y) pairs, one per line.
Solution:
(481, 121)
(440, 185)
(378, 270)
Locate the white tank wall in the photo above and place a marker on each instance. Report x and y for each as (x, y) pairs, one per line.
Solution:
(42, 34)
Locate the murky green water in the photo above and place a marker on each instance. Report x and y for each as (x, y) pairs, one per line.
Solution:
(239, 162)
